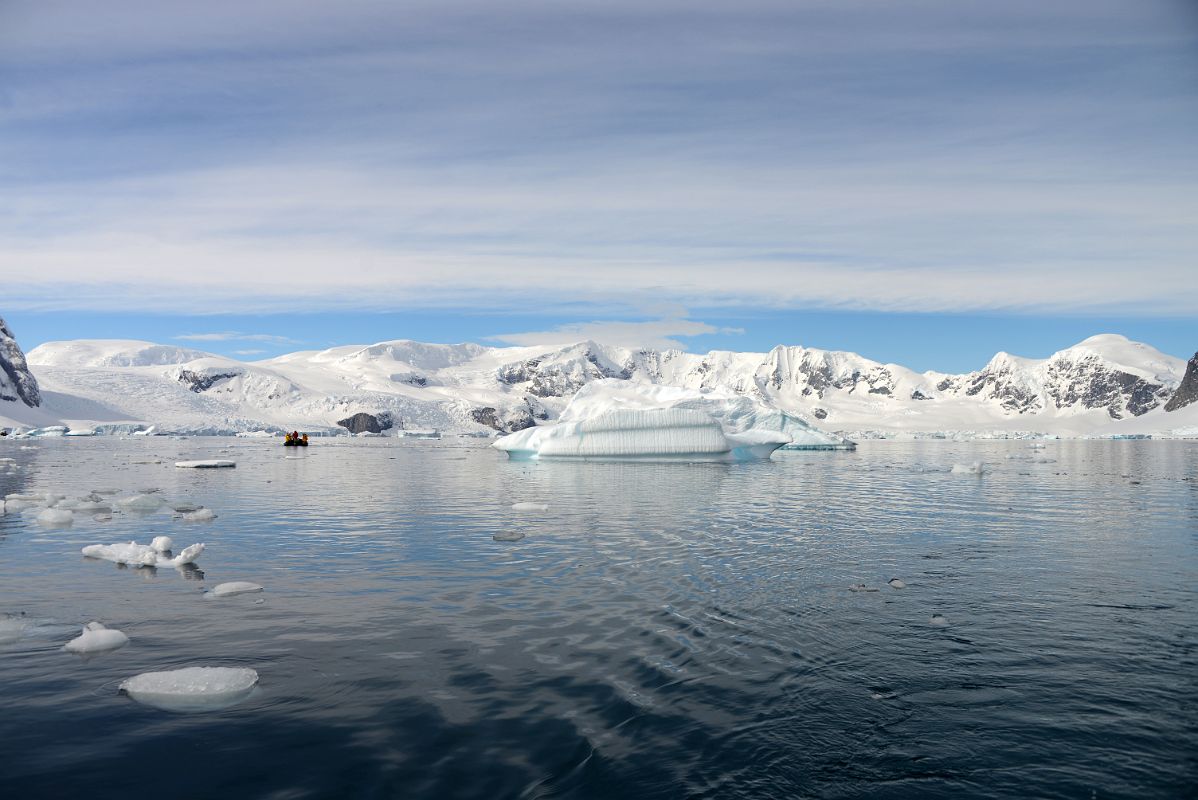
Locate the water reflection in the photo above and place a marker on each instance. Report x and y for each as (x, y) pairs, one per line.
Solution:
(661, 630)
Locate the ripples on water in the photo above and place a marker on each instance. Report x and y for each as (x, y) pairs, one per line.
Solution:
(664, 630)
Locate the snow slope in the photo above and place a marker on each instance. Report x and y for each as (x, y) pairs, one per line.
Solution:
(1093, 386)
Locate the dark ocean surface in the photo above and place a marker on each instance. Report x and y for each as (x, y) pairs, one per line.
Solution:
(662, 631)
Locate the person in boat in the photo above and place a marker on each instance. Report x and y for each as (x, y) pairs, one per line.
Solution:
(305, 442)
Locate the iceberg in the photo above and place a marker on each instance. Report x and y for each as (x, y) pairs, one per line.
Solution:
(95, 639)
(199, 515)
(56, 518)
(192, 688)
(234, 588)
(609, 419)
(142, 555)
(214, 463)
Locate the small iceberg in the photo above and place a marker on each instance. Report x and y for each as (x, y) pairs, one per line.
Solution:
(861, 587)
(530, 507)
(508, 536)
(938, 621)
(212, 463)
(56, 518)
(192, 688)
(896, 583)
(11, 629)
(161, 544)
(142, 555)
(199, 515)
(233, 588)
(96, 639)
(608, 419)
(976, 468)
(141, 502)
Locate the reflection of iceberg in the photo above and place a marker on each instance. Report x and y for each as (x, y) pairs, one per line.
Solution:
(612, 419)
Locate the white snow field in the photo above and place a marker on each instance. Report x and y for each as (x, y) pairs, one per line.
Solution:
(96, 639)
(1101, 385)
(192, 688)
(142, 555)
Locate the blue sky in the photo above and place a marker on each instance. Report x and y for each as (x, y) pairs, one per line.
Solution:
(924, 182)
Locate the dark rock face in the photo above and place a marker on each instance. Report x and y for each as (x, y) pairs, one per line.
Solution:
(203, 381)
(819, 413)
(1088, 384)
(1187, 392)
(16, 381)
(516, 420)
(366, 423)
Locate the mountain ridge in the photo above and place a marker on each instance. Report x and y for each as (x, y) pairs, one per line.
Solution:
(473, 388)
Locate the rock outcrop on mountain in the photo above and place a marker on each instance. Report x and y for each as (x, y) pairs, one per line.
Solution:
(1187, 392)
(476, 389)
(366, 423)
(17, 383)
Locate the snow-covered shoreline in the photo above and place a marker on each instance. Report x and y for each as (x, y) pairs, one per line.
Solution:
(1105, 386)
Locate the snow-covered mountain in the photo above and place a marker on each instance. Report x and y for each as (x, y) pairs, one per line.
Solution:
(17, 384)
(1091, 386)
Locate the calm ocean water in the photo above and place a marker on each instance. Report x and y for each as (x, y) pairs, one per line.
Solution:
(663, 630)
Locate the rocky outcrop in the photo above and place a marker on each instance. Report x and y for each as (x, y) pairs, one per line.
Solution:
(16, 381)
(366, 423)
(202, 381)
(1187, 392)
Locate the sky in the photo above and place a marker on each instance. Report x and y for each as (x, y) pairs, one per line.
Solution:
(922, 182)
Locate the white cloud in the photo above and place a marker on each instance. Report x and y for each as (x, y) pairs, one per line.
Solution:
(762, 154)
(235, 336)
(655, 334)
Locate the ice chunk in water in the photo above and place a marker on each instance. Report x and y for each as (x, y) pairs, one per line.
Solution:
(142, 555)
(234, 588)
(213, 463)
(976, 468)
(161, 544)
(56, 518)
(10, 629)
(530, 507)
(644, 433)
(861, 587)
(141, 502)
(186, 508)
(192, 688)
(95, 639)
(508, 536)
(896, 583)
(939, 621)
(200, 515)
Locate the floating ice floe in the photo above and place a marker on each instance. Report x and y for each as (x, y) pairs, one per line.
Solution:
(896, 583)
(212, 463)
(861, 587)
(610, 419)
(141, 502)
(233, 588)
(95, 639)
(56, 518)
(161, 544)
(186, 508)
(939, 621)
(80, 432)
(10, 629)
(976, 468)
(142, 555)
(192, 688)
(508, 536)
(530, 507)
(199, 515)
